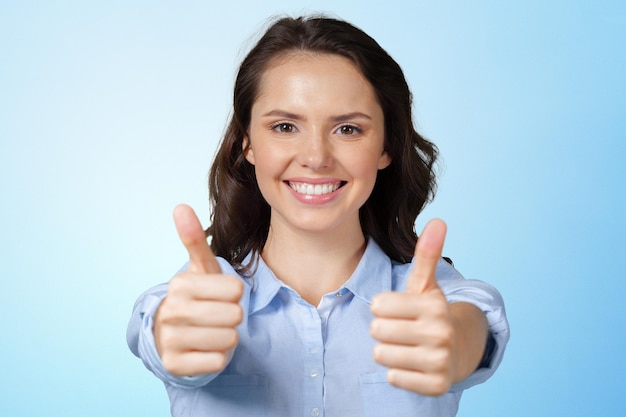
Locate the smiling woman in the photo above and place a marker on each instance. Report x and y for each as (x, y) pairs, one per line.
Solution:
(316, 125)
(306, 300)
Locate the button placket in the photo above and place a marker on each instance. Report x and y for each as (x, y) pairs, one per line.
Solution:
(313, 365)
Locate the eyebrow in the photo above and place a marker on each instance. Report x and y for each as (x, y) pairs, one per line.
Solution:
(338, 118)
(283, 113)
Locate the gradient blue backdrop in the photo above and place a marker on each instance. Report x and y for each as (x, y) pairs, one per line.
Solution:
(110, 113)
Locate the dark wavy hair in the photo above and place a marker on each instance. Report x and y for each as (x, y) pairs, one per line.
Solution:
(240, 216)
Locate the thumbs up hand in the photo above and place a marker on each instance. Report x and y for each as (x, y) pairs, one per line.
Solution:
(195, 325)
(415, 328)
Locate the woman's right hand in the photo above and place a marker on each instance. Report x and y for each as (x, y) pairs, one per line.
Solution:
(195, 325)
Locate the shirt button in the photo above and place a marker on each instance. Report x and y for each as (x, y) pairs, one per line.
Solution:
(313, 373)
(315, 350)
(339, 294)
(315, 412)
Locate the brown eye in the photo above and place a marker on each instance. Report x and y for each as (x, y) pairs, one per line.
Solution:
(348, 130)
(284, 128)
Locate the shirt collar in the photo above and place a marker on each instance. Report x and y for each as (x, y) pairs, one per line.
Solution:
(371, 276)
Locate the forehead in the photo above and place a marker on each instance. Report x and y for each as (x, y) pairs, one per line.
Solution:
(321, 78)
(294, 61)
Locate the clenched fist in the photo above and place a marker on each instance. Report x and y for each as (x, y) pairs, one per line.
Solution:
(427, 343)
(195, 325)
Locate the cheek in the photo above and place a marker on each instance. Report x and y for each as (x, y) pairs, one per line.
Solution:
(268, 165)
(365, 167)
(264, 179)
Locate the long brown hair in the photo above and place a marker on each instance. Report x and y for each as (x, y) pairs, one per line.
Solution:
(240, 217)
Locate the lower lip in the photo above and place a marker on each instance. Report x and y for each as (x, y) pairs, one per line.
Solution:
(314, 199)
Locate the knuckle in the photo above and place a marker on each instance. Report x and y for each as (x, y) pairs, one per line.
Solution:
(217, 363)
(443, 335)
(177, 285)
(232, 338)
(167, 339)
(160, 316)
(237, 315)
(171, 364)
(222, 361)
(168, 312)
(441, 359)
(447, 334)
(440, 384)
(382, 302)
(375, 304)
(237, 288)
(378, 353)
(375, 327)
(391, 378)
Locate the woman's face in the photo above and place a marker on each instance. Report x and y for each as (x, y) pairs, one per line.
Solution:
(316, 140)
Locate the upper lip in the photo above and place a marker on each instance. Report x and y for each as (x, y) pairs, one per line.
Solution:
(314, 181)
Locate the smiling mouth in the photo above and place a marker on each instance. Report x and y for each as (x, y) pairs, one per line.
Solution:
(315, 189)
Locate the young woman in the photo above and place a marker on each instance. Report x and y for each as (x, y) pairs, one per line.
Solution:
(315, 297)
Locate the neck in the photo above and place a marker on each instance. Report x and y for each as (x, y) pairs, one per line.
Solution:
(314, 263)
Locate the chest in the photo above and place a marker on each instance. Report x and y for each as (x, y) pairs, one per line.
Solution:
(294, 359)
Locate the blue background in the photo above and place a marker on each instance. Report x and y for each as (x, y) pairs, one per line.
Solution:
(110, 113)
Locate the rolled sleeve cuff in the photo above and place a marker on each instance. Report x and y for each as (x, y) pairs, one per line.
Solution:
(489, 300)
(148, 353)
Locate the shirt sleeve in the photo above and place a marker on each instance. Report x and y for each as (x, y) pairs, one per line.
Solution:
(140, 339)
(140, 335)
(489, 300)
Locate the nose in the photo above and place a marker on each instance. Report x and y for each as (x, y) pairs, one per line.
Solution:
(315, 151)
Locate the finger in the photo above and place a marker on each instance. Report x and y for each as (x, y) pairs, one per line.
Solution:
(427, 254)
(211, 287)
(203, 314)
(201, 339)
(194, 363)
(424, 383)
(422, 359)
(201, 258)
(399, 332)
(406, 306)
(411, 333)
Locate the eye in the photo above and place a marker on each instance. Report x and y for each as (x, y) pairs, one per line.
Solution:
(348, 130)
(284, 127)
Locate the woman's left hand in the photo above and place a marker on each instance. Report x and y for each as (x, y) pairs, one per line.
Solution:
(416, 328)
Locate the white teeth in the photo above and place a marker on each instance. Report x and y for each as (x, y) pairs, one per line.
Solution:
(313, 189)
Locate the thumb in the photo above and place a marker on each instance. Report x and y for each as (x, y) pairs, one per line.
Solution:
(201, 257)
(427, 255)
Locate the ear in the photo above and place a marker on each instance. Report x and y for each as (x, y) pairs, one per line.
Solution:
(248, 153)
(384, 161)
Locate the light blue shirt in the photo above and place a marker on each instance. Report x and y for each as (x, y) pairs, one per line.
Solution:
(295, 359)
